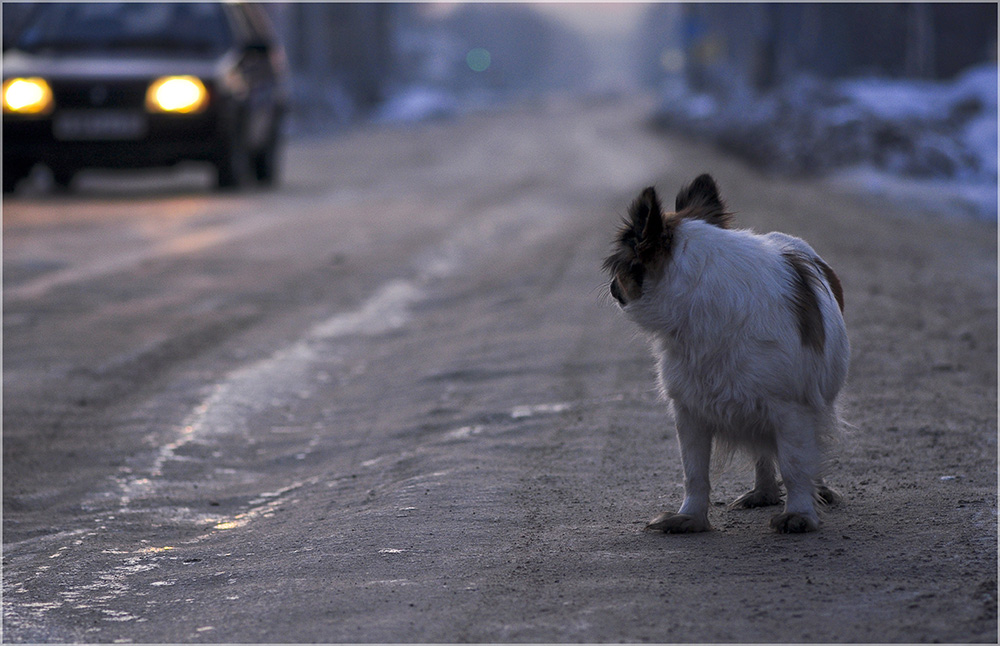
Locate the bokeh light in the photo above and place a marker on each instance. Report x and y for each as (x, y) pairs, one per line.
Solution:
(478, 59)
(29, 96)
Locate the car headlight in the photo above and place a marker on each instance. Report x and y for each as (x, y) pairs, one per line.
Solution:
(183, 94)
(27, 96)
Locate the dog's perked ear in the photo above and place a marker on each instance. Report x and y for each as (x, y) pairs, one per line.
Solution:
(700, 200)
(646, 215)
(642, 245)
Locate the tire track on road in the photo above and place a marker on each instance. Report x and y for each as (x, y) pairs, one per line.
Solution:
(250, 217)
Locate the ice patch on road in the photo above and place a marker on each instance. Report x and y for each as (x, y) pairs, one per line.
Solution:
(464, 432)
(289, 373)
(520, 412)
(286, 373)
(225, 415)
(388, 309)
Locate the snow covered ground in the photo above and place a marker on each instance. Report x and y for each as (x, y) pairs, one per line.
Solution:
(941, 196)
(935, 142)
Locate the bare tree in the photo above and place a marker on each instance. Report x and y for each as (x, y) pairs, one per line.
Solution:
(919, 43)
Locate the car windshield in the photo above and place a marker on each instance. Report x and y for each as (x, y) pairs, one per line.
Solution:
(175, 27)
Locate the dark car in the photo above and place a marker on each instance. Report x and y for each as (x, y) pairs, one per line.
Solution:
(110, 85)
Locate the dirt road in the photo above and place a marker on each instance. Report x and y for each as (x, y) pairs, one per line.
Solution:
(388, 403)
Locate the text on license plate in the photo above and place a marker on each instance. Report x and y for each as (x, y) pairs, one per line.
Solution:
(99, 124)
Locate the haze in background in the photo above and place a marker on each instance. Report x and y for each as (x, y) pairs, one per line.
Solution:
(903, 90)
(609, 29)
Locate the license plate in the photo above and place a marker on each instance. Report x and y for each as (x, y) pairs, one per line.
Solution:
(99, 124)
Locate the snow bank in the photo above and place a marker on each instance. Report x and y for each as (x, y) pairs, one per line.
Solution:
(415, 104)
(945, 132)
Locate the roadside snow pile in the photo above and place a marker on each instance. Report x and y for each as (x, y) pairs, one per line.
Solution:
(416, 104)
(910, 128)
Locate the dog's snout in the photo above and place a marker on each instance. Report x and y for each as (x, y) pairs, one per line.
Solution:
(616, 291)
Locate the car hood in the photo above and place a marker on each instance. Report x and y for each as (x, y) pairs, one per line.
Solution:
(87, 65)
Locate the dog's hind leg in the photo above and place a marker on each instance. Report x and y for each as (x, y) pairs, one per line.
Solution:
(765, 490)
(798, 460)
(825, 495)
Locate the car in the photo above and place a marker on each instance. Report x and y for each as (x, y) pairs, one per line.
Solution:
(125, 85)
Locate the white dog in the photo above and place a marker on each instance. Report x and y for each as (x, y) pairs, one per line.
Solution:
(750, 345)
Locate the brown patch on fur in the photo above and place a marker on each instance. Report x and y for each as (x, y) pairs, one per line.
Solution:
(804, 303)
(834, 281)
(700, 200)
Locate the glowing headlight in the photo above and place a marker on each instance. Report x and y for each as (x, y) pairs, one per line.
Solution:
(176, 94)
(27, 96)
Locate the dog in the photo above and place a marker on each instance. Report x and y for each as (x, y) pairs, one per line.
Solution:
(750, 344)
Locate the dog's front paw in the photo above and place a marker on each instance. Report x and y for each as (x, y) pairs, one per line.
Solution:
(757, 498)
(672, 523)
(792, 523)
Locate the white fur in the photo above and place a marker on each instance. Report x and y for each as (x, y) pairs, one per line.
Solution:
(731, 359)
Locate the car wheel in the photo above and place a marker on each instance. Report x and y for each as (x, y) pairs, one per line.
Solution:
(62, 178)
(233, 163)
(14, 172)
(267, 165)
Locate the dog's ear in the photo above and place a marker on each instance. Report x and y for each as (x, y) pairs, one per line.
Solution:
(702, 191)
(700, 200)
(646, 215)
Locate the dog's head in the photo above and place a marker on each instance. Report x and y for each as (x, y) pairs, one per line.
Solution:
(645, 240)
